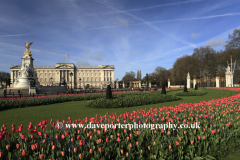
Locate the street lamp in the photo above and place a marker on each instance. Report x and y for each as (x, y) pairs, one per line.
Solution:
(80, 82)
(147, 80)
(71, 74)
(51, 80)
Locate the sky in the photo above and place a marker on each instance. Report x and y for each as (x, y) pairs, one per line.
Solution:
(129, 34)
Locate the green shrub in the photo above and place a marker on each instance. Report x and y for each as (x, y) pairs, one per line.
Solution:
(131, 100)
(191, 93)
(185, 88)
(163, 89)
(196, 87)
(109, 92)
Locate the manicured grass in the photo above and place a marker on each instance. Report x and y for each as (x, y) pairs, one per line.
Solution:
(78, 109)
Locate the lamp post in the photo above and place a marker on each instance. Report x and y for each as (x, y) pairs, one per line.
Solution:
(51, 80)
(147, 80)
(80, 82)
(71, 74)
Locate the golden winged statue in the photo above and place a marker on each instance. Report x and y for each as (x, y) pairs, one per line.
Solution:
(27, 49)
(28, 45)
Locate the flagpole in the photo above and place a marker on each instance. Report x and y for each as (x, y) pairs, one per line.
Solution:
(66, 57)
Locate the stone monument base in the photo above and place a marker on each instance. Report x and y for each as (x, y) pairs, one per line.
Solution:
(32, 90)
(22, 83)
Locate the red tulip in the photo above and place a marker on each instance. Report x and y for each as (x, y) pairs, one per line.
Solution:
(1, 154)
(13, 129)
(170, 146)
(118, 139)
(24, 152)
(63, 153)
(33, 147)
(75, 150)
(80, 156)
(63, 136)
(100, 149)
(191, 141)
(53, 147)
(90, 150)
(66, 133)
(177, 143)
(213, 131)
(45, 135)
(22, 135)
(138, 133)
(17, 146)
(8, 146)
(130, 145)
(26, 140)
(42, 156)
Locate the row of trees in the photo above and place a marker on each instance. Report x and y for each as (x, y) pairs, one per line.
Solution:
(4, 75)
(205, 61)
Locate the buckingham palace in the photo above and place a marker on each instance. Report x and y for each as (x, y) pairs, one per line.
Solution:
(79, 76)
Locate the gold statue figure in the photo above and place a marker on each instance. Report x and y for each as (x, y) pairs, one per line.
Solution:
(27, 49)
(28, 45)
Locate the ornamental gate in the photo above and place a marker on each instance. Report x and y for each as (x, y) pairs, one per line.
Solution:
(210, 82)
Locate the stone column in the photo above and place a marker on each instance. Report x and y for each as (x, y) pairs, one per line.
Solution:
(168, 83)
(102, 76)
(112, 75)
(228, 77)
(101, 86)
(139, 84)
(194, 82)
(11, 78)
(150, 85)
(117, 85)
(217, 81)
(188, 81)
(123, 85)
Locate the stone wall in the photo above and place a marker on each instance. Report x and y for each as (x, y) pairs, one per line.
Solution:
(177, 86)
(43, 89)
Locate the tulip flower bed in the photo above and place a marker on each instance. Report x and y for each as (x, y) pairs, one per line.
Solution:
(191, 93)
(217, 136)
(29, 102)
(131, 100)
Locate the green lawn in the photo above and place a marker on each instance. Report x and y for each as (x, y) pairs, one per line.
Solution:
(78, 109)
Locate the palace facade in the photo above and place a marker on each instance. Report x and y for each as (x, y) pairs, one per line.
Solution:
(94, 76)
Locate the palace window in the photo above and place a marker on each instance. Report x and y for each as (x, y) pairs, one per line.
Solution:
(95, 79)
(45, 80)
(110, 74)
(110, 79)
(95, 85)
(40, 80)
(83, 74)
(100, 79)
(91, 79)
(41, 75)
(87, 79)
(83, 79)
(104, 79)
(95, 74)
(45, 74)
(88, 74)
(107, 79)
(53, 80)
(49, 74)
(79, 74)
(99, 74)
(53, 74)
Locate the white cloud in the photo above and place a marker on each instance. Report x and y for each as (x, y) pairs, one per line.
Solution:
(82, 63)
(96, 58)
(122, 21)
(194, 35)
(215, 43)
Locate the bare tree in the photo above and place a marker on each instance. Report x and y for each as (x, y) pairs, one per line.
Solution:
(234, 40)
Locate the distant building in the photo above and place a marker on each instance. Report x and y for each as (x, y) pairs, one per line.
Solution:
(94, 76)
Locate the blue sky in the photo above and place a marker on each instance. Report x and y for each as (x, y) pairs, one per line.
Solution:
(129, 34)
